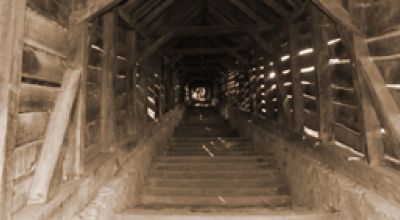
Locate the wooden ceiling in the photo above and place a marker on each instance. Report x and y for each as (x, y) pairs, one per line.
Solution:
(207, 36)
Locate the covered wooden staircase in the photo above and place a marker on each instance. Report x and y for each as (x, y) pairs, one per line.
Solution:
(199, 109)
(210, 172)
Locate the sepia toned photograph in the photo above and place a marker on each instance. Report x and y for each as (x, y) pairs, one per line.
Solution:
(199, 109)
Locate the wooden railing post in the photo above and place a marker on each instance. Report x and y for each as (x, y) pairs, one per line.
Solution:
(107, 107)
(54, 138)
(322, 55)
(12, 20)
(296, 79)
(79, 41)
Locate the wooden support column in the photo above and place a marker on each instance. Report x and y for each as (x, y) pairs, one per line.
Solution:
(78, 38)
(132, 59)
(296, 79)
(12, 21)
(107, 107)
(322, 52)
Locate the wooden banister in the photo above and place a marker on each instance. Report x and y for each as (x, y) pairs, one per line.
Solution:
(54, 138)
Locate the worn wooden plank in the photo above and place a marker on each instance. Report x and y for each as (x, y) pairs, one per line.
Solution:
(54, 138)
(40, 65)
(12, 18)
(347, 136)
(53, 43)
(26, 158)
(31, 127)
(107, 109)
(36, 98)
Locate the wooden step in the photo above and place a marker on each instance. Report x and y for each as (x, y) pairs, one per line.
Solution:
(150, 213)
(219, 159)
(215, 182)
(224, 191)
(172, 174)
(212, 166)
(219, 201)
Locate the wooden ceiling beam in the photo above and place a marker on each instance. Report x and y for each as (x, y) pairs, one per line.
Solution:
(155, 14)
(160, 42)
(93, 8)
(248, 11)
(132, 5)
(236, 55)
(202, 51)
(277, 8)
(207, 31)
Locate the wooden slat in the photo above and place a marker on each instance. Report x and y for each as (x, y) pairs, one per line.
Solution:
(26, 158)
(31, 126)
(347, 136)
(36, 36)
(42, 66)
(36, 98)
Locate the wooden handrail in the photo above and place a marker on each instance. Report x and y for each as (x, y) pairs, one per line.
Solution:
(54, 138)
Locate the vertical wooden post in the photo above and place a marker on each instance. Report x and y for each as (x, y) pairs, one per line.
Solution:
(370, 126)
(132, 58)
(12, 20)
(322, 55)
(78, 38)
(107, 109)
(296, 79)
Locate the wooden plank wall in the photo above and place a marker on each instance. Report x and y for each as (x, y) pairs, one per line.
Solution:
(44, 64)
(267, 99)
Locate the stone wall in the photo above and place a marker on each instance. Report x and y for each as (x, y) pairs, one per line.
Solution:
(311, 181)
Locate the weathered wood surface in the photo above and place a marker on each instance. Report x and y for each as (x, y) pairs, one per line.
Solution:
(107, 108)
(37, 98)
(90, 8)
(53, 43)
(31, 127)
(54, 138)
(40, 65)
(12, 18)
(53, 10)
(296, 78)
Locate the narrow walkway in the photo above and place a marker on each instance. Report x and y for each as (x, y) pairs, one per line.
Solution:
(210, 170)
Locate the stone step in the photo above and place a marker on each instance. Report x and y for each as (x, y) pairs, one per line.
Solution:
(193, 191)
(218, 201)
(219, 159)
(212, 166)
(215, 182)
(149, 213)
(168, 174)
